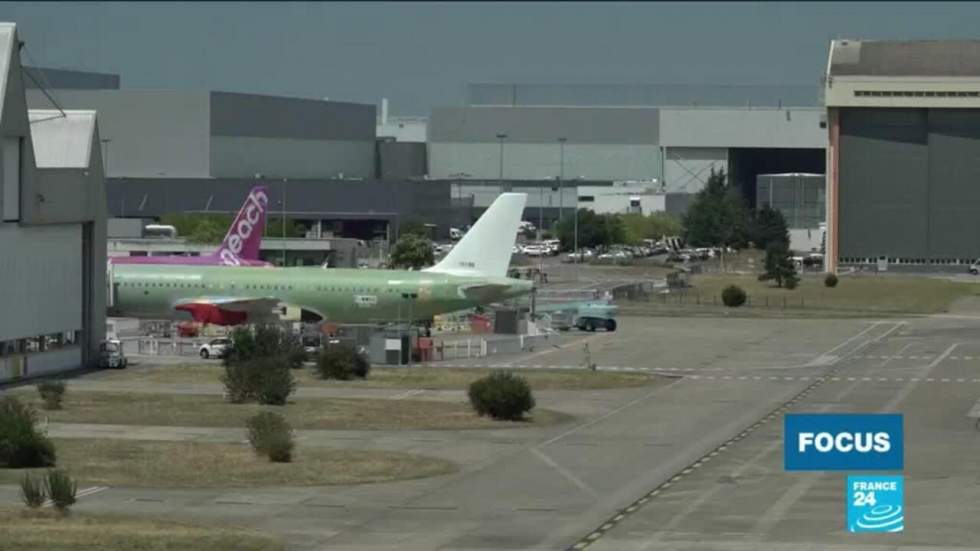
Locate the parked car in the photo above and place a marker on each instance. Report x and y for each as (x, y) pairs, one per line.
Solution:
(216, 348)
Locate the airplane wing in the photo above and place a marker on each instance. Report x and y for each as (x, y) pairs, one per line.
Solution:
(228, 310)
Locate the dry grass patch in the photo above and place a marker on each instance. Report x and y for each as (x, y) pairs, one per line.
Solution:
(46, 530)
(192, 410)
(208, 465)
(429, 378)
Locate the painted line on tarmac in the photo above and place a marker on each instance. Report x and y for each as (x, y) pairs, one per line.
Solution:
(624, 513)
(90, 491)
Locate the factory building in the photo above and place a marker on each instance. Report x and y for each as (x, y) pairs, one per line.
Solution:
(52, 231)
(903, 120)
(487, 147)
(192, 134)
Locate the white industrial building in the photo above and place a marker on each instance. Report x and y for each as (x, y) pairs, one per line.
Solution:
(52, 232)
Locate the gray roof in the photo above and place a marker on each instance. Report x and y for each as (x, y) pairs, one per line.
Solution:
(62, 139)
(935, 58)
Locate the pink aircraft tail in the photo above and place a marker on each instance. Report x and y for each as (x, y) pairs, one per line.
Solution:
(245, 234)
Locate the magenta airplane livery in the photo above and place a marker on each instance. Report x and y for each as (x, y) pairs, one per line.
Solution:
(240, 246)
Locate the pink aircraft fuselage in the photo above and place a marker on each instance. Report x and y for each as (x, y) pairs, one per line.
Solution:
(240, 247)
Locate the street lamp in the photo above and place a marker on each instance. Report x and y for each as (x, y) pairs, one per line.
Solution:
(500, 178)
(561, 176)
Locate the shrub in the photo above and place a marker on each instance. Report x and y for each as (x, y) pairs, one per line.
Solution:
(265, 341)
(342, 362)
(61, 488)
(21, 444)
(265, 379)
(733, 296)
(501, 395)
(52, 392)
(274, 379)
(270, 435)
(32, 491)
(830, 280)
(790, 282)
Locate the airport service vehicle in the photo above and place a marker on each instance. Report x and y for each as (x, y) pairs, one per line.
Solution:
(587, 316)
(215, 348)
(111, 355)
(473, 273)
(975, 268)
(240, 246)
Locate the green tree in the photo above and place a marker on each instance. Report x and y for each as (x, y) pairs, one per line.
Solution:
(207, 232)
(717, 216)
(652, 226)
(779, 266)
(273, 228)
(414, 227)
(412, 252)
(594, 230)
(769, 226)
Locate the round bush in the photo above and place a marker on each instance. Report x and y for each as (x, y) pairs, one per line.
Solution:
(501, 395)
(791, 283)
(342, 362)
(52, 393)
(270, 435)
(267, 380)
(21, 444)
(830, 280)
(733, 296)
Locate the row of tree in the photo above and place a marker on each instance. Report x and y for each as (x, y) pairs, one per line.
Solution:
(718, 216)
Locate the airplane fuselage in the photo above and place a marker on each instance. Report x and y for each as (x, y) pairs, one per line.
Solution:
(340, 295)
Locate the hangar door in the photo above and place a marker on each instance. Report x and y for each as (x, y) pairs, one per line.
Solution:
(909, 184)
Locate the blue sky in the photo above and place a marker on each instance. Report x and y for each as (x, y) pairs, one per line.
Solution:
(421, 55)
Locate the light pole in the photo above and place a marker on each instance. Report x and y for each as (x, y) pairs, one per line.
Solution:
(500, 178)
(561, 176)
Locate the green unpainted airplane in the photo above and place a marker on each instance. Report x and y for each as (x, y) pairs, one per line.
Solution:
(473, 273)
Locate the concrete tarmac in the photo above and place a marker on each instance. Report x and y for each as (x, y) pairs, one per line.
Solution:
(550, 487)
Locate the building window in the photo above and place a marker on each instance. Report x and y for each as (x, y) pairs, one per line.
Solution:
(586, 199)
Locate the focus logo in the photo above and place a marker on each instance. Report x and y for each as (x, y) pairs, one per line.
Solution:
(837, 442)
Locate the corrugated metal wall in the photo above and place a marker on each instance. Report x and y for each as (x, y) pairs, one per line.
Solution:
(908, 184)
(41, 272)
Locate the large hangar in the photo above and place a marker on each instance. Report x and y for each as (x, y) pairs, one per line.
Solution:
(52, 231)
(904, 156)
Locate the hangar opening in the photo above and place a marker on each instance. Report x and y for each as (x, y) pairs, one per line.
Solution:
(745, 164)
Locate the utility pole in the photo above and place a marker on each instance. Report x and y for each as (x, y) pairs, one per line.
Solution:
(500, 177)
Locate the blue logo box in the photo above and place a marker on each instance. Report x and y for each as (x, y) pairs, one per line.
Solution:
(843, 442)
(875, 503)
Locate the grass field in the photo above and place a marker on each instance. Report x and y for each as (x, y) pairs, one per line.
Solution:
(46, 530)
(853, 294)
(138, 463)
(191, 410)
(429, 378)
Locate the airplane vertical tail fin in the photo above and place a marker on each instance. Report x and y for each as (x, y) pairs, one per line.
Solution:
(245, 234)
(485, 250)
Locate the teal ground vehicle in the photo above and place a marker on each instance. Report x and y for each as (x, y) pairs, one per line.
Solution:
(587, 316)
